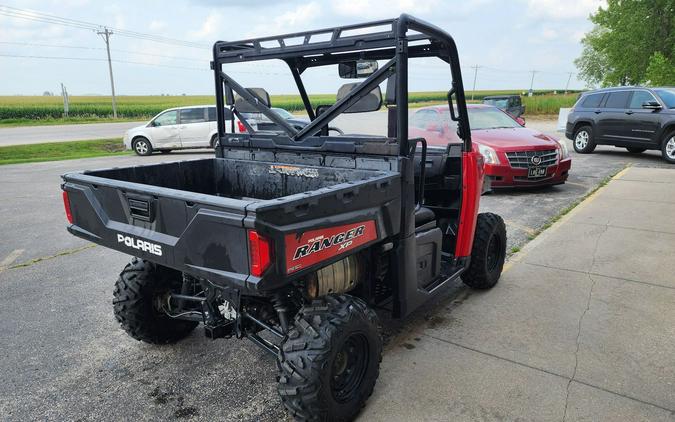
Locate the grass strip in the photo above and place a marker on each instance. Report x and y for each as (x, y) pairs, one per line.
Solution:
(56, 151)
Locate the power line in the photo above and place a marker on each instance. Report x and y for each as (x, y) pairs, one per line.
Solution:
(475, 76)
(36, 16)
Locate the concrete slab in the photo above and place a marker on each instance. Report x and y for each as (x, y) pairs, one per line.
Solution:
(436, 381)
(574, 246)
(654, 175)
(640, 190)
(636, 255)
(653, 216)
(530, 302)
(627, 340)
(588, 404)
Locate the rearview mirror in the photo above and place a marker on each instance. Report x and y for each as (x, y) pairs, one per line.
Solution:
(357, 69)
(369, 102)
(651, 105)
(259, 94)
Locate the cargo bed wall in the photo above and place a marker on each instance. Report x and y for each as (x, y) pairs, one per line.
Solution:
(235, 178)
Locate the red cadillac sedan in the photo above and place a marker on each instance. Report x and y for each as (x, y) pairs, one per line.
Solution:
(515, 156)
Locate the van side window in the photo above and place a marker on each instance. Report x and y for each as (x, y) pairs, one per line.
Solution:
(192, 115)
(592, 101)
(640, 97)
(617, 99)
(227, 114)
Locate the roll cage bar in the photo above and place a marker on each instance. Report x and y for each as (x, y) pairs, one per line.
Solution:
(378, 40)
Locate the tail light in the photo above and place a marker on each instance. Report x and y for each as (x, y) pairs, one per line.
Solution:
(66, 204)
(260, 251)
(240, 127)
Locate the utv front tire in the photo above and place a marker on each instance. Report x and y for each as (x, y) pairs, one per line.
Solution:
(488, 252)
(138, 287)
(330, 360)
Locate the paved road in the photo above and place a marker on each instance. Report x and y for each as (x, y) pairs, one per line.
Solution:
(374, 123)
(62, 133)
(64, 356)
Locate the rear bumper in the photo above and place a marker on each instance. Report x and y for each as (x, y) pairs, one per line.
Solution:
(504, 176)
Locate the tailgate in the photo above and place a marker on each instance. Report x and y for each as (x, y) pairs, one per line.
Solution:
(192, 232)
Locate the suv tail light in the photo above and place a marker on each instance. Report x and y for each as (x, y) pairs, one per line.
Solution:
(66, 204)
(260, 251)
(240, 127)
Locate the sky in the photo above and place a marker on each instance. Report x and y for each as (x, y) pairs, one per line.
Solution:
(507, 39)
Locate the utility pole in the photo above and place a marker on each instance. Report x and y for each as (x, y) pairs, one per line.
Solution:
(530, 92)
(66, 100)
(475, 75)
(567, 85)
(106, 37)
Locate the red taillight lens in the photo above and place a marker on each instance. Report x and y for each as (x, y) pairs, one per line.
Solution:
(260, 251)
(240, 127)
(66, 204)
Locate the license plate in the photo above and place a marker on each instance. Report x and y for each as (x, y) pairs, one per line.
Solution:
(536, 172)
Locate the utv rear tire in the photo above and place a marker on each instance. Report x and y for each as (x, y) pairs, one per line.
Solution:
(330, 360)
(139, 285)
(488, 252)
(583, 142)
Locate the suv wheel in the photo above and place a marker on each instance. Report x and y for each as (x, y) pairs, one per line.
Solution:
(138, 291)
(488, 252)
(583, 140)
(668, 148)
(330, 360)
(142, 146)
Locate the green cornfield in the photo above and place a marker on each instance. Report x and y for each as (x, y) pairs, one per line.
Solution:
(143, 107)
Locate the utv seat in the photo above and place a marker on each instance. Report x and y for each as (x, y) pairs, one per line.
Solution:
(425, 219)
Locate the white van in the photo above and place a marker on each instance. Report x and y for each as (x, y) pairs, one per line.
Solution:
(178, 128)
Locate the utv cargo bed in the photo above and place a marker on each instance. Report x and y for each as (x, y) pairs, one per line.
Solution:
(197, 216)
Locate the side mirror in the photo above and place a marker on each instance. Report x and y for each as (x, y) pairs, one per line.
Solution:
(259, 94)
(372, 101)
(357, 69)
(651, 105)
(520, 121)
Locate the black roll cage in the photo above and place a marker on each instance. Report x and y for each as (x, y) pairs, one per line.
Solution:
(378, 40)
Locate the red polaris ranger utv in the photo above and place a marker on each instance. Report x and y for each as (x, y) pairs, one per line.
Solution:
(291, 237)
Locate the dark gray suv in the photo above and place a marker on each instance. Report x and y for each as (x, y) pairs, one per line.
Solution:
(634, 118)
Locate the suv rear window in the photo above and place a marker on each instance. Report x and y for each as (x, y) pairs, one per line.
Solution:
(617, 99)
(592, 101)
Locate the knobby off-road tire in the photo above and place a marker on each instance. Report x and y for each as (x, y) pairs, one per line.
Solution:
(330, 360)
(488, 252)
(136, 290)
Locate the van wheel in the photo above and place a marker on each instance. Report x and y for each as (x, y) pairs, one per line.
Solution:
(488, 252)
(636, 150)
(668, 148)
(142, 146)
(136, 298)
(214, 139)
(330, 360)
(583, 140)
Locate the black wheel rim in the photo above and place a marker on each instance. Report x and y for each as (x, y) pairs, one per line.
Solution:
(493, 252)
(349, 368)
